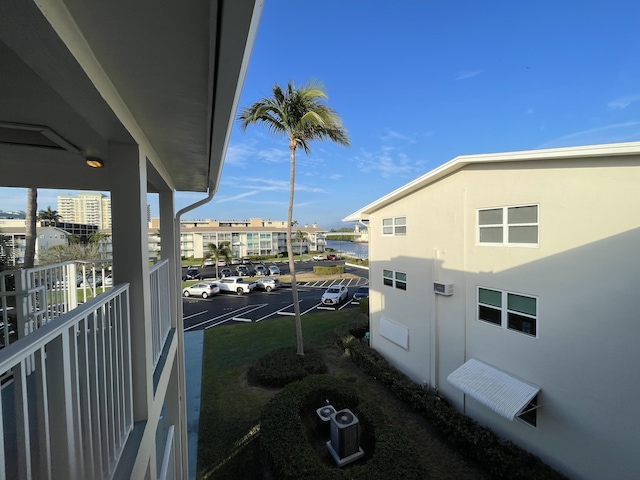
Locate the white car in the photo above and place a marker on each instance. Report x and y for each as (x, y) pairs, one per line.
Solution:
(202, 289)
(236, 285)
(317, 258)
(335, 295)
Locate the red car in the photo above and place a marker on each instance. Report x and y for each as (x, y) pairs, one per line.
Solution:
(331, 256)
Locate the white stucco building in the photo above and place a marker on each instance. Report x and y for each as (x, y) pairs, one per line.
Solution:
(508, 283)
(127, 98)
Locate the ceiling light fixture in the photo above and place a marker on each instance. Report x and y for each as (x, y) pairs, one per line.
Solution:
(94, 162)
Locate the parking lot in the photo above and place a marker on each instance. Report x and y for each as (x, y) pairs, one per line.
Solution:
(258, 306)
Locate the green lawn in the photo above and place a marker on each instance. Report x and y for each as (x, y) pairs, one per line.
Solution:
(228, 443)
(230, 408)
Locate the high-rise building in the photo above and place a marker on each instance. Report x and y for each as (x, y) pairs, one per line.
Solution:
(87, 207)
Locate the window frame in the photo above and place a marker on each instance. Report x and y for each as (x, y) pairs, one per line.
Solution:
(505, 226)
(398, 226)
(506, 312)
(390, 278)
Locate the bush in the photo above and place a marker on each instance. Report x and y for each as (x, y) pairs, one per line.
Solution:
(283, 366)
(286, 447)
(335, 270)
(364, 306)
(501, 459)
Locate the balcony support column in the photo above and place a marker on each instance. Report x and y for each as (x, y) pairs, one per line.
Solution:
(131, 263)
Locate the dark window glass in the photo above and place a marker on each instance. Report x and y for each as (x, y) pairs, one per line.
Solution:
(490, 315)
(522, 324)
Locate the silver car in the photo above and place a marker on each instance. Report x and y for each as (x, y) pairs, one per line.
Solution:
(202, 289)
(273, 270)
(267, 283)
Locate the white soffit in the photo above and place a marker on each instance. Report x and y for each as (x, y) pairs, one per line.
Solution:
(504, 394)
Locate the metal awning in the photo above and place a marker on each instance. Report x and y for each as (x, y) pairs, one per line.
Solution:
(503, 393)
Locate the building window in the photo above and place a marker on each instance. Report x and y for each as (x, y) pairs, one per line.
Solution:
(392, 278)
(515, 226)
(508, 310)
(396, 226)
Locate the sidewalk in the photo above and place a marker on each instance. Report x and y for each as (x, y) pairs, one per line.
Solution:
(193, 341)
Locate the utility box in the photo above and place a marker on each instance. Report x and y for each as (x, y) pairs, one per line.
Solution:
(344, 445)
(324, 419)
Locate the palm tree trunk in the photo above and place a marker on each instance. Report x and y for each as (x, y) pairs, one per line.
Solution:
(292, 269)
(30, 224)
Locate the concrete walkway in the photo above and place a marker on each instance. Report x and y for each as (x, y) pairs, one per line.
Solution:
(193, 342)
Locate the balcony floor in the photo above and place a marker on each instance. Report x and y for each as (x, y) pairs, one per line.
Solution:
(193, 342)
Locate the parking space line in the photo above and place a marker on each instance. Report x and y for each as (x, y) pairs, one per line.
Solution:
(257, 307)
(195, 314)
(229, 314)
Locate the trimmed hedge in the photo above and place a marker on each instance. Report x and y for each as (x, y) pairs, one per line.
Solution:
(503, 460)
(335, 270)
(286, 450)
(283, 366)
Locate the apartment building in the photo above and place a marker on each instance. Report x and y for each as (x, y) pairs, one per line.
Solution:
(507, 283)
(130, 99)
(253, 237)
(86, 207)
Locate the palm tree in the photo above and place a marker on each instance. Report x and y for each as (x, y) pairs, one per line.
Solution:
(49, 216)
(218, 252)
(100, 239)
(300, 115)
(30, 224)
(300, 237)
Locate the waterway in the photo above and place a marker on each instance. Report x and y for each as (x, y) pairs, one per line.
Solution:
(350, 249)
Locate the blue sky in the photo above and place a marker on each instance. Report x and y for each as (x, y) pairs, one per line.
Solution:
(418, 83)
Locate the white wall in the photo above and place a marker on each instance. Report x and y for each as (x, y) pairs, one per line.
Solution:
(585, 273)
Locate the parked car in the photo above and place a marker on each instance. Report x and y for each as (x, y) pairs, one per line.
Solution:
(273, 270)
(246, 261)
(235, 285)
(88, 283)
(317, 258)
(108, 281)
(335, 295)
(192, 273)
(242, 270)
(267, 283)
(222, 263)
(361, 292)
(202, 289)
(208, 263)
(331, 256)
(235, 261)
(260, 270)
(225, 272)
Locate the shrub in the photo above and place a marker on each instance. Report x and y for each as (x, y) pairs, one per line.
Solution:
(283, 366)
(335, 270)
(501, 459)
(364, 306)
(288, 454)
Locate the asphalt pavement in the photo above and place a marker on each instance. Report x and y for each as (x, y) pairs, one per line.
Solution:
(258, 306)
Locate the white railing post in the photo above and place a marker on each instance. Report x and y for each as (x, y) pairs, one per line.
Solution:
(65, 450)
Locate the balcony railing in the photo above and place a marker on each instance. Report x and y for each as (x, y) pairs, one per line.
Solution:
(69, 413)
(160, 307)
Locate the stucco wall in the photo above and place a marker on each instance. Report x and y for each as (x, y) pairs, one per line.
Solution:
(584, 273)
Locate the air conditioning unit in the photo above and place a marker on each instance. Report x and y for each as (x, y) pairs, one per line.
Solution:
(442, 288)
(324, 419)
(344, 445)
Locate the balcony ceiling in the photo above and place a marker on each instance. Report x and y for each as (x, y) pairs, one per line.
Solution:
(162, 75)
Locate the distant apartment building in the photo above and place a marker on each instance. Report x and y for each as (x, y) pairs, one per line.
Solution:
(253, 237)
(87, 207)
